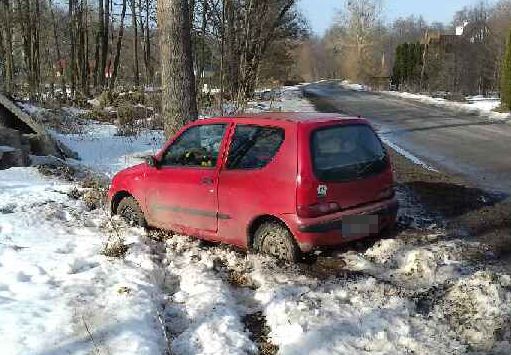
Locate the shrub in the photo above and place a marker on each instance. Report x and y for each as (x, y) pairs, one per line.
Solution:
(154, 100)
(115, 247)
(97, 114)
(106, 98)
(505, 84)
(126, 120)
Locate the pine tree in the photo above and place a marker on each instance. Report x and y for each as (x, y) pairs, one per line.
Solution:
(505, 84)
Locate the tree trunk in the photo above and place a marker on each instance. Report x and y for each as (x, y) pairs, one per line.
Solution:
(201, 65)
(135, 43)
(7, 37)
(72, 59)
(81, 58)
(104, 41)
(178, 81)
(59, 63)
(25, 21)
(118, 46)
(86, 49)
(222, 61)
(99, 76)
(147, 54)
(36, 55)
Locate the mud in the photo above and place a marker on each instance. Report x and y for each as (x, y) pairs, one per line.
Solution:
(259, 330)
(465, 210)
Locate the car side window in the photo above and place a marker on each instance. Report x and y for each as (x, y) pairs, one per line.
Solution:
(198, 146)
(253, 147)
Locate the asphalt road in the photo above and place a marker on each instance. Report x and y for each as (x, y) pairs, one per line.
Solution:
(459, 143)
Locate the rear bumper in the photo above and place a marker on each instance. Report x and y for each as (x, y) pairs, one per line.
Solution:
(326, 231)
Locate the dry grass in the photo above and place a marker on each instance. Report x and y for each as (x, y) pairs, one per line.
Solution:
(115, 247)
(65, 172)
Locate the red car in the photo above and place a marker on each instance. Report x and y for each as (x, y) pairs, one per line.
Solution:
(279, 183)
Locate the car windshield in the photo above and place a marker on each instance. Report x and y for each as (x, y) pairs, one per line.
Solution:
(347, 152)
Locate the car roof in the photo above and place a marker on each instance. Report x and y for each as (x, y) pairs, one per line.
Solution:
(296, 117)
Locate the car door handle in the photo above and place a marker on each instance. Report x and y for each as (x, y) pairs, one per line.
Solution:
(207, 180)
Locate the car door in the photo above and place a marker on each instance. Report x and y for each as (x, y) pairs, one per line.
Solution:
(183, 187)
(258, 178)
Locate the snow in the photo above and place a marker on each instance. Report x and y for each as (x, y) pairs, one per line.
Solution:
(413, 158)
(346, 317)
(419, 292)
(101, 149)
(56, 287)
(204, 316)
(479, 309)
(353, 86)
(482, 106)
(6, 149)
(29, 108)
(374, 308)
(286, 99)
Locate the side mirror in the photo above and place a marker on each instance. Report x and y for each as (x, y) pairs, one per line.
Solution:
(152, 161)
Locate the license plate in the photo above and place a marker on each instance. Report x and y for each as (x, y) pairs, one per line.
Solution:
(359, 226)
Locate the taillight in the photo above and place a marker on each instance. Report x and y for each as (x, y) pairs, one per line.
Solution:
(318, 209)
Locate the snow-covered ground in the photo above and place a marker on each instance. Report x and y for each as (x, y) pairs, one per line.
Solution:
(390, 300)
(419, 292)
(287, 98)
(58, 294)
(483, 106)
(101, 149)
(353, 86)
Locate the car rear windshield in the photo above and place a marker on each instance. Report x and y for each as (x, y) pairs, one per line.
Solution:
(347, 152)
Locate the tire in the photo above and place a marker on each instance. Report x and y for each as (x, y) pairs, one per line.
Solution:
(130, 211)
(274, 239)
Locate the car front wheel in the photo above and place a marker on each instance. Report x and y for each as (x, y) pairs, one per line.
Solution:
(276, 240)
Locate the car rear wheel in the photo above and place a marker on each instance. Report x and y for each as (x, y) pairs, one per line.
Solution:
(275, 239)
(130, 211)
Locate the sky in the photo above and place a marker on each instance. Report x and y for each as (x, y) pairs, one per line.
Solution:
(322, 13)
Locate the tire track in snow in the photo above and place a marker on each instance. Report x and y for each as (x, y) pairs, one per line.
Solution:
(204, 313)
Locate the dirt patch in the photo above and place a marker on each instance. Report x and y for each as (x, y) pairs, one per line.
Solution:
(240, 279)
(440, 193)
(466, 211)
(64, 172)
(259, 331)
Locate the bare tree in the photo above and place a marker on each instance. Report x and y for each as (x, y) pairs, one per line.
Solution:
(358, 42)
(72, 44)
(134, 24)
(147, 41)
(56, 39)
(104, 40)
(118, 46)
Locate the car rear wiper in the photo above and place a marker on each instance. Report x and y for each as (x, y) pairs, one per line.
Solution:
(370, 164)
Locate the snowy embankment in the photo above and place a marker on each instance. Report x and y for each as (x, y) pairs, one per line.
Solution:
(419, 292)
(480, 105)
(403, 295)
(58, 294)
